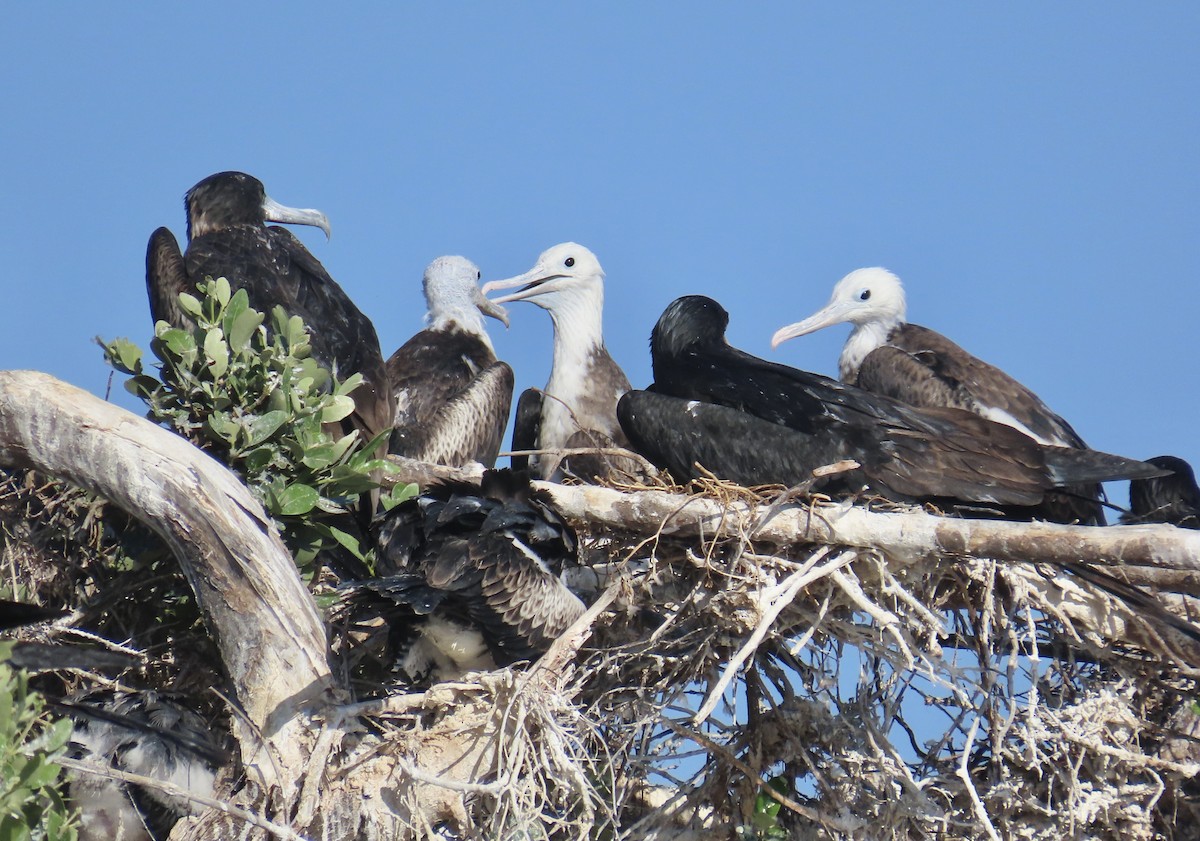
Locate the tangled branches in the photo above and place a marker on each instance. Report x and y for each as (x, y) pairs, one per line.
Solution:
(752, 666)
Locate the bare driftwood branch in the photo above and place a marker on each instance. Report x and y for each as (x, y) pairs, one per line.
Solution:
(901, 535)
(271, 637)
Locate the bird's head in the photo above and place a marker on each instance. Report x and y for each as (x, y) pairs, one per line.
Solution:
(563, 273)
(452, 294)
(687, 323)
(235, 198)
(862, 297)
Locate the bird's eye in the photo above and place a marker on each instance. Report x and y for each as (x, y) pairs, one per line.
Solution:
(570, 261)
(864, 295)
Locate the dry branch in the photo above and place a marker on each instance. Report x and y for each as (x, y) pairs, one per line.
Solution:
(271, 637)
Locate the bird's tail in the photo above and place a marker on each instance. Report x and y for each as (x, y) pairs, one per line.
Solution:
(1070, 466)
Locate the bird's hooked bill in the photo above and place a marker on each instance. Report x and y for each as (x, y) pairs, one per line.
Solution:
(833, 313)
(276, 212)
(528, 282)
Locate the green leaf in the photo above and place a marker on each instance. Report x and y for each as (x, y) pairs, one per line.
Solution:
(190, 304)
(258, 459)
(338, 407)
(225, 428)
(297, 499)
(263, 427)
(349, 384)
(399, 494)
(216, 352)
(296, 333)
(319, 457)
(241, 328)
(220, 290)
(177, 341)
(347, 541)
(124, 355)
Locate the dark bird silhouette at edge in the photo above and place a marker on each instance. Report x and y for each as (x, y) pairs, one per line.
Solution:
(1173, 499)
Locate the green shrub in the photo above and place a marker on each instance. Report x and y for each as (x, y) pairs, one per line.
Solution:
(30, 804)
(258, 401)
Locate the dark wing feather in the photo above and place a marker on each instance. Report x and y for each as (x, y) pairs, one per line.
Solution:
(493, 556)
(527, 426)
(923, 377)
(917, 453)
(525, 607)
(912, 378)
(15, 614)
(973, 381)
(166, 277)
(452, 398)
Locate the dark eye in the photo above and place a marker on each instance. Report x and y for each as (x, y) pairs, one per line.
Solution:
(864, 295)
(570, 261)
(479, 275)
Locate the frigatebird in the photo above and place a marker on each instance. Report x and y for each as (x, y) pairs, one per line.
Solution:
(452, 395)
(886, 354)
(1173, 498)
(754, 421)
(228, 237)
(578, 407)
(144, 733)
(473, 576)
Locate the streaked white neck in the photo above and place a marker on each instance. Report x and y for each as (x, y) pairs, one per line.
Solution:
(863, 339)
(578, 331)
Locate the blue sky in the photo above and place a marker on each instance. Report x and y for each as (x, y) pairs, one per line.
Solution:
(1032, 171)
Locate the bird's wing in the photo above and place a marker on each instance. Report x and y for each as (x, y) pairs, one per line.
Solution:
(527, 606)
(527, 426)
(467, 427)
(166, 277)
(975, 385)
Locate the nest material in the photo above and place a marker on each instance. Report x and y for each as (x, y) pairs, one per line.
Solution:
(946, 696)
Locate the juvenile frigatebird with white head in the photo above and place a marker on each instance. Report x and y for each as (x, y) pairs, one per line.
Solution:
(578, 407)
(886, 354)
(228, 237)
(452, 394)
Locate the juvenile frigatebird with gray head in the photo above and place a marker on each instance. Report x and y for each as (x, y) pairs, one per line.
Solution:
(228, 237)
(772, 423)
(885, 354)
(452, 396)
(578, 407)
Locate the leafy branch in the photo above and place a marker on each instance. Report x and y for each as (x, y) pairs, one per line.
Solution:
(256, 399)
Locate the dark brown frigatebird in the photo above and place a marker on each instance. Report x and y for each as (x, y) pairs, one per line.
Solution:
(473, 576)
(228, 237)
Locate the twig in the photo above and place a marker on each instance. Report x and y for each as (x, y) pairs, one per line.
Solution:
(779, 597)
(182, 793)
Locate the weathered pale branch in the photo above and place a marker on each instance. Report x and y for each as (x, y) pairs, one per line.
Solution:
(271, 637)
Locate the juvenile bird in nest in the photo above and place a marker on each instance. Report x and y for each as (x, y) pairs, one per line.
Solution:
(473, 577)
